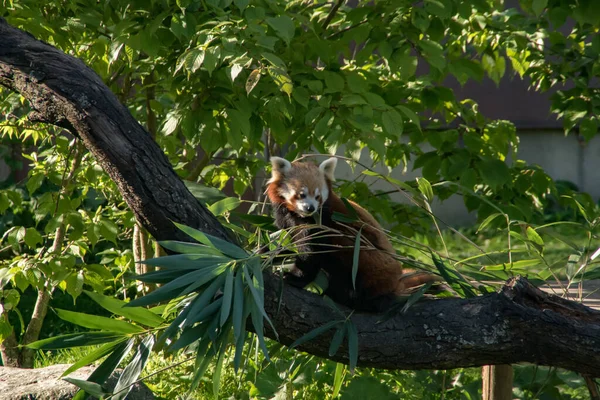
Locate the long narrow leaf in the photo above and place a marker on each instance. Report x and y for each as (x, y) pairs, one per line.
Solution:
(337, 340)
(223, 246)
(90, 388)
(97, 322)
(188, 336)
(136, 314)
(415, 297)
(314, 333)
(204, 299)
(171, 290)
(104, 370)
(238, 305)
(227, 297)
(338, 379)
(355, 258)
(257, 322)
(218, 370)
(258, 299)
(93, 356)
(75, 340)
(133, 370)
(352, 345)
(189, 248)
(454, 278)
(187, 261)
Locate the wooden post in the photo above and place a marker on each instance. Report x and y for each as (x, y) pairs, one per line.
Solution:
(497, 382)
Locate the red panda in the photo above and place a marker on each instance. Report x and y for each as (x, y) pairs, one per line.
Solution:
(297, 191)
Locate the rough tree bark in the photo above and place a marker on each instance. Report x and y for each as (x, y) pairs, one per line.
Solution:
(519, 324)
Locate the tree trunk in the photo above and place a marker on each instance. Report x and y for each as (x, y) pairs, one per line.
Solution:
(519, 324)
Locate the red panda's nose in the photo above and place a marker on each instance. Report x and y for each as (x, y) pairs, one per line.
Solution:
(310, 208)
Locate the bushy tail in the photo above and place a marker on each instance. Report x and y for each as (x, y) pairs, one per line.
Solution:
(412, 280)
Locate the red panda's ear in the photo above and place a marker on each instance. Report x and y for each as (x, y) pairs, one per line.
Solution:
(281, 166)
(328, 168)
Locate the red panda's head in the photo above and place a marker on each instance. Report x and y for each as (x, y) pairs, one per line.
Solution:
(301, 187)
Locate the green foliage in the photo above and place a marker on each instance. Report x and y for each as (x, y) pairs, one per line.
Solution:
(219, 84)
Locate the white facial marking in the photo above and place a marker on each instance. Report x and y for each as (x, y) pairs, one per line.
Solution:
(325, 194)
(306, 204)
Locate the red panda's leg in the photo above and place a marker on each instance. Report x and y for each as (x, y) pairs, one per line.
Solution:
(305, 271)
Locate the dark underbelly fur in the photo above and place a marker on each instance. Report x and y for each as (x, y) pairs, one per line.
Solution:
(315, 254)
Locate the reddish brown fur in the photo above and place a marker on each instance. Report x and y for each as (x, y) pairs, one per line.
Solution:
(379, 273)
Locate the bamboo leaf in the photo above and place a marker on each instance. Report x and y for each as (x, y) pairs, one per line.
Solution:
(223, 246)
(97, 322)
(93, 356)
(352, 345)
(75, 340)
(337, 340)
(133, 370)
(104, 370)
(227, 297)
(356, 257)
(314, 333)
(136, 314)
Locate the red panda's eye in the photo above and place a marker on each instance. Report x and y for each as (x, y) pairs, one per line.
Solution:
(318, 197)
(302, 195)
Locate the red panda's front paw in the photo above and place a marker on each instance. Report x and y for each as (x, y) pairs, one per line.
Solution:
(295, 271)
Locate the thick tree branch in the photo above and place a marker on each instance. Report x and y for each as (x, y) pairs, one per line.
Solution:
(520, 324)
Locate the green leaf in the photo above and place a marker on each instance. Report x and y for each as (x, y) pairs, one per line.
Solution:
(420, 19)
(414, 118)
(34, 182)
(438, 8)
(97, 322)
(101, 374)
(494, 173)
(227, 297)
(225, 247)
(283, 27)
(352, 345)
(392, 122)
(337, 340)
(195, 252)
(333, 82)
(314, 333)
(75, 340)
(356, 257)
(588, 128)
(538, 6)
(488, 221)
(281, 79)
(212, 59)
(194, 60)
(33, 237)
(534, 236)
(225, 205)
(433, 53)
(91, 388)
(415, 297)
(133, 370)
(136, 314)
(425, 188)
(338, 379)
(108, 348)
(458, 282)
(198, 308)
(238, 305)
